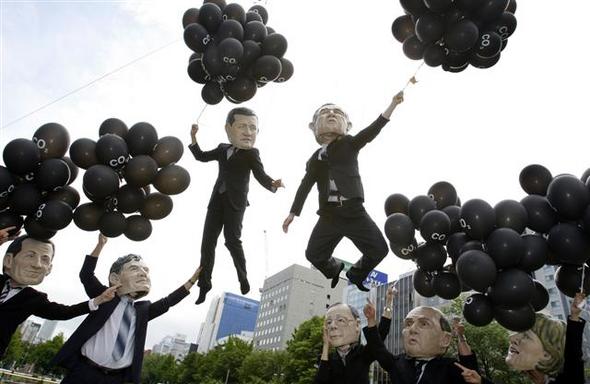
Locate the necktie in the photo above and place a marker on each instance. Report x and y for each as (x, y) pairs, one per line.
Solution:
(5, 291)
(419, 366)
(123, 333)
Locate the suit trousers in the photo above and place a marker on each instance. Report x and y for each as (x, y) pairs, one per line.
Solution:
(85, 373)
(221, 215)
(351, 221)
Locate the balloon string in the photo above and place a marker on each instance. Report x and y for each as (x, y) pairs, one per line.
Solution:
(201, 114)
(412, 80)
(583, 275)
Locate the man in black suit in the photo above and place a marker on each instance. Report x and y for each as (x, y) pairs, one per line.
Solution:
(108, 346)
(334, 167)
(350, 362)
(229, 197)
(426, 336)
(27, 261)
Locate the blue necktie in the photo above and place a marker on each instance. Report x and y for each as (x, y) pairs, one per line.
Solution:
(123, 334)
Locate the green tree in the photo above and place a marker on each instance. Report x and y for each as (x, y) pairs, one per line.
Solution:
(14, 352)
(159, 369)
(304, 350)
(41, 355)
(490, 344)
(264, 367)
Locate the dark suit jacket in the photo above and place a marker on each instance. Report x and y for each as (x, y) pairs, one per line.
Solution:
(573, 367)
(342, 167)
(145, 311)
(401, 369)
(235, 172)
(32, 302)
(358, 360)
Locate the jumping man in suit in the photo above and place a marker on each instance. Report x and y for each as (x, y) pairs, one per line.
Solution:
(229, 198)
(334, 168)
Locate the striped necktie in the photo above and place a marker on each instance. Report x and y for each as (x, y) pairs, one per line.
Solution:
(5, 291)
(123, 333)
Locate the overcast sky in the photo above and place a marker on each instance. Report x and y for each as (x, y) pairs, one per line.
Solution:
(476, 129)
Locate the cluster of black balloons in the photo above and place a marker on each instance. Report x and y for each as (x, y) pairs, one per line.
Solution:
(493, 251)
(455, 33)
(235, 52)
(35, 183)
(137, 156)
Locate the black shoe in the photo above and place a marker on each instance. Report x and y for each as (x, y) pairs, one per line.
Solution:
(244, 286)
(336, 277)
(203, 293)
(359, 284)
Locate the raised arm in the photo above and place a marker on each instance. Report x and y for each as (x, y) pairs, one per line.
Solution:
(324, 374)
(374, 342)
(55, 311)
(199, 154)
(161, 306)
(385, 323)
(573, 367)
(92, 285)
(368, 134)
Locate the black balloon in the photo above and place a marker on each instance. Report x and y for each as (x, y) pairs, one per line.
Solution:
(478, 310)
(488, 45)
(35, 230)
(129, 199)
(73, 169)
(112, 224)
(87, 216)
(234, 11)
(54, 215)
(476, 269)
(196, 37)
(511, 214)
(230, 51)
(431, 257)
(252, 51)
(168, 150)
(396, 203)
(504, 26)
(517, 319)
(446, 285)
(438, 6)
(405, 251)
(535, 179)
(211, 93)
(267, 68)
(542, 217)
(535, 253)
(66, 194)
(52, 174)
(83, 153)
(434, 55)
(456, 59)
(241, 89)
(7, 182)
(483, 62)
(190, 16)
(156, 206)
(454, 68)
(140, 171)
(435, 226)
(399, 229)
(138, 228)
(52, 139)
(259, 9)
(100, 181)
(491, 9)
(230, 28)
(141, 139)
(172, 180)
(472, 245)
(430, 28)
(454, 245)
(511, 7)
(477, 218)
(253, 16)
(212, 61)
(25, 199)
(569, 243)
(402, 28)
(112, 151)
(506, 247)
(540, 297)
(569, 196)
(256, 31)
(462, 36)
(468, 5)
(275, 45)
(415, 7)
(197, 72)
(220, 3)
(454, 15)
(454, 214)
(568, 279)
(114, 126)
(418, 206)
(443, 193)
(413, 48)
(422, 282)
(21, 156)
(513, 288)
(210, 17)
(286, 71)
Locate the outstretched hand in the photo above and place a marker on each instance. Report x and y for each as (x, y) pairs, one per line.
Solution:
(194, 129)
(370, 313)
(278, 183)
(288, 222)
(108, 295)
(5, 236)
(398, 98)
(469, 375)
(577, 305)
(391, 294)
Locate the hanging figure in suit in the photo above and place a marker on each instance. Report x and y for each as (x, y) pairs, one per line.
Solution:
(26, 263)
(229, 198)
(334, 168)
(108, 346)
(426, 337)
(548, 353)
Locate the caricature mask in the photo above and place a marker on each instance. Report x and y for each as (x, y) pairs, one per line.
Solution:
(329, 123)
(30, 264)
(242, 131)
(540, 348)
(133, 274)
(426, 333)
(344, 328)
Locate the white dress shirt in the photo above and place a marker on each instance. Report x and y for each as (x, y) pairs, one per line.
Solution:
(99, 348)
